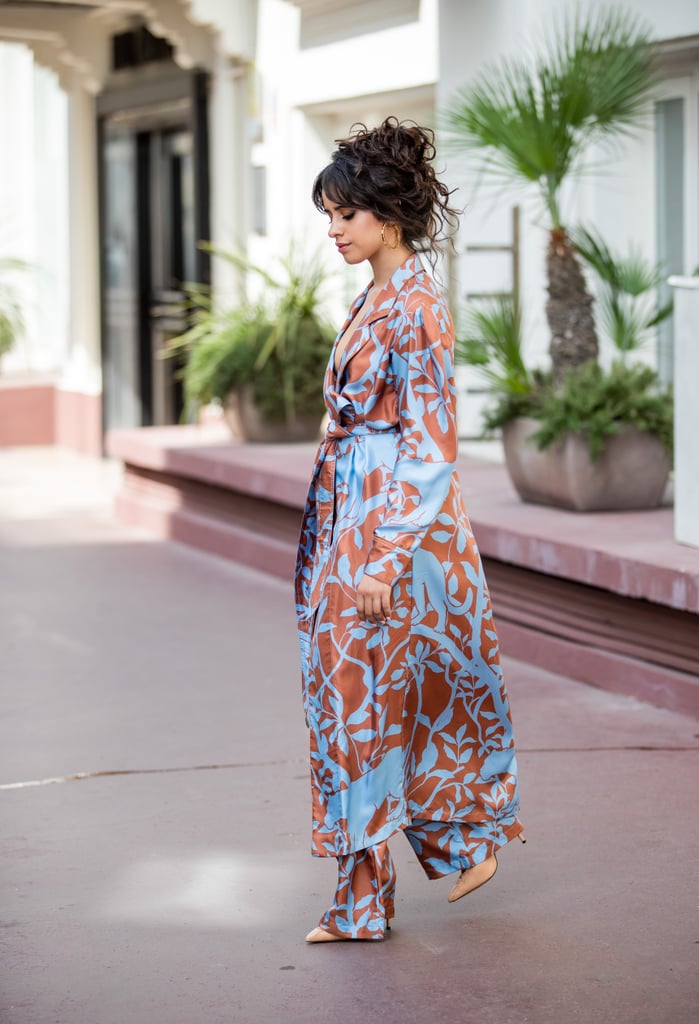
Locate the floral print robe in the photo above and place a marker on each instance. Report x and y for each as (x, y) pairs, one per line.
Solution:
(409, 721)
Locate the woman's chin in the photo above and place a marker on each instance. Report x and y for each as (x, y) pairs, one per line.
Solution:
(351, 257)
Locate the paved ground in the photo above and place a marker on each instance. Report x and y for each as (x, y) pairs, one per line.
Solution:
(175, 887)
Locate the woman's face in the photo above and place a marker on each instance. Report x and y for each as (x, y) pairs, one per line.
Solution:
(356, 233)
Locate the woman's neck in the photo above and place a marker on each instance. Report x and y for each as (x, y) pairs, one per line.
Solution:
(385, 264)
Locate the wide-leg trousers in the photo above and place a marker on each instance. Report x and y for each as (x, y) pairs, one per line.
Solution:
(364, 898)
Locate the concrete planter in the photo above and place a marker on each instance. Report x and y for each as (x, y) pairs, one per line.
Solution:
(244, 421)
(631, 472)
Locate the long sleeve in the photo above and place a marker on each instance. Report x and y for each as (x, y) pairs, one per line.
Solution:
(422, 364)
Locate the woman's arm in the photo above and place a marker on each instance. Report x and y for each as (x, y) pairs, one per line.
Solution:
(422, 362)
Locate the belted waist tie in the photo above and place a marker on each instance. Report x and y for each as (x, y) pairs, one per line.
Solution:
(323, 485)
(324, 469)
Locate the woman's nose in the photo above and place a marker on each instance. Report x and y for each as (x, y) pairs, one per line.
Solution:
(333, 229)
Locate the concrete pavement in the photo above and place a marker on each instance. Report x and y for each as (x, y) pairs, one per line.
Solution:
(170, 883)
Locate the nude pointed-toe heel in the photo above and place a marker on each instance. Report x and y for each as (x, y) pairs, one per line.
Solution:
(473, 878)
(320, 935)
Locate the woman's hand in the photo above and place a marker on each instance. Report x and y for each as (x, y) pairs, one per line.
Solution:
(373, 600)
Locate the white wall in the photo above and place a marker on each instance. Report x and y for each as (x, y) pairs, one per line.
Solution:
(471, 36)
(668, 19)
(310, 97)
(33, 207)
(234, 20)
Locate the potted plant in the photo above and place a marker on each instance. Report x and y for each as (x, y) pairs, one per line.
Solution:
(600, 439)
(531, 121)
(262, 360)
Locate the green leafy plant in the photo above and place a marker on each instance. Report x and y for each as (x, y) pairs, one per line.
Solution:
(508, 405)
(591, 401)
(596, 404)
(529, 121)
(490, 338)
(278, 345)
(627, 301)
(11, 313)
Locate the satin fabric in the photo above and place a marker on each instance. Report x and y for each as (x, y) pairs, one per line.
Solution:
(364, 902)
(409, 720)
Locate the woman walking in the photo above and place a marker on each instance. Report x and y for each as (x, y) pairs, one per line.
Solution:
(403, 693)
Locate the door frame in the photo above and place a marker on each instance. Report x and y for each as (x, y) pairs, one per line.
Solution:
(144, 100)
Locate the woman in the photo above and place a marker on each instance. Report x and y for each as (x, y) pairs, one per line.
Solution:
(403, 694)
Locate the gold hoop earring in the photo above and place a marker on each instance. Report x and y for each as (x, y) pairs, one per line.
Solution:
(383, 236)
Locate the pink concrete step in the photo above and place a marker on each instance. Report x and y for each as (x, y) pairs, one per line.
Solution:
(607, 598)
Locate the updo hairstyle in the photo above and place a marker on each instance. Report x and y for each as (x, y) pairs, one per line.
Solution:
(388, 170)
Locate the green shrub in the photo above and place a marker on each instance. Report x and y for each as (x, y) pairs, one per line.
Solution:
(279, 347)
(595, 404)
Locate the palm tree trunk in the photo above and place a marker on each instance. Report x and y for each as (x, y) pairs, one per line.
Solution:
(569, 308)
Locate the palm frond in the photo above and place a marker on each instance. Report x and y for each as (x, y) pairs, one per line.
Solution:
(627, 309)
(606, 67)
(662, 313)
(631, 274)
(621, 321)
(510, 115)
(597, 254)
(491, 340)
(531, 118)
(636, 275)
(277, 345)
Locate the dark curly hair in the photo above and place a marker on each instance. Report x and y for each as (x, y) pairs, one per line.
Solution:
(388, 170)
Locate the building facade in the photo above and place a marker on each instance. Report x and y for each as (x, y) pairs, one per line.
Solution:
(140, 127)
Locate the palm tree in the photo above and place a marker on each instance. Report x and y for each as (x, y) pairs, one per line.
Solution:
(531, 121)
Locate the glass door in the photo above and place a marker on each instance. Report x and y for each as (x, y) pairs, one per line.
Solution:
(120, 276)
(173, 263)
(154, 209)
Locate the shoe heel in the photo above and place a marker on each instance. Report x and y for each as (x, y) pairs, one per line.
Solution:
(522, 838)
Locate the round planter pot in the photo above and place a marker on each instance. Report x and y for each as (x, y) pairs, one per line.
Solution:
(631, 471)
(243, 419)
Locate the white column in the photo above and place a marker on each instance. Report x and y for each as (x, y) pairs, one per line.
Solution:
(229, 171)
(686, 320)
(33, 216)
(83, 369)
